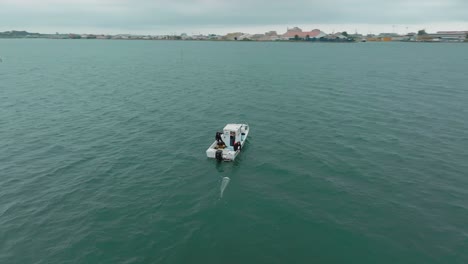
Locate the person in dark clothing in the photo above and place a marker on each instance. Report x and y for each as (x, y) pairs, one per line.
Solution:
(233, 138)
(237, 146)
(219, 140)
(218, 137)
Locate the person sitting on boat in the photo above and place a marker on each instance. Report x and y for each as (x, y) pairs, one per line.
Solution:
(220, 145)
(218, 137)
(237, 146)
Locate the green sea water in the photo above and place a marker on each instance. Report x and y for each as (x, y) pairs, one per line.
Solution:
(358, 153)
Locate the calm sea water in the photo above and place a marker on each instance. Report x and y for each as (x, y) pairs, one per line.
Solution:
(358, 153)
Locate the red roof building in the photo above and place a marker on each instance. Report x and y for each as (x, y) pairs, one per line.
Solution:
(292, 33)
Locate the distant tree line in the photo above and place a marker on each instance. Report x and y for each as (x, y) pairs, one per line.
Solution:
(422, 32)
(325, 39)
(19, 34)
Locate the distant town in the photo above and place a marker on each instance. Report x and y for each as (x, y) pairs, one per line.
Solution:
(291, 34)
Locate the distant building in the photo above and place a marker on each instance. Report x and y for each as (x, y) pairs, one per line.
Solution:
(357, 37)
(74, 36)
(271, 34)
(257, 37)
(121, 37)
(401, 38)
(214, 37)
(451, 36)
(234, 36)
(385, 37)
(297, 33)
(444, 36)
(336, 36)
(184, 36)
(86, 36)
(453, 32)
(388, 35)
(199, 37)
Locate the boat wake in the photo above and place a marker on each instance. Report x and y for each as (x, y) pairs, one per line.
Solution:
(224, 184)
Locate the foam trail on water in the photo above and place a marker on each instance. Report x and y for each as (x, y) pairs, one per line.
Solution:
(224, 184)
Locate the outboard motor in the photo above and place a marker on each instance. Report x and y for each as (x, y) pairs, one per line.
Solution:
(219, 155)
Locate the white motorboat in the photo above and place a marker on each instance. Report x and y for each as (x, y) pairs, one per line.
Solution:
(229, 143)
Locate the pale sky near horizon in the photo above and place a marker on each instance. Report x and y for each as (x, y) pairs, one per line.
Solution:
(223, 16)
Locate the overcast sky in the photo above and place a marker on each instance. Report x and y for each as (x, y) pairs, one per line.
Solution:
(222, 16)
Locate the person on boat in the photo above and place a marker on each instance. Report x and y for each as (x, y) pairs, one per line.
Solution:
(219, 141)
(218, 138)
(233, 138)
(237, 146)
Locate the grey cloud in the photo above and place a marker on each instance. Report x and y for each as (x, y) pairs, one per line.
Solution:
(199, 13)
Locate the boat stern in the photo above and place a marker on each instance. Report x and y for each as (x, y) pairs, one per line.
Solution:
(211, 153)
(226, 154)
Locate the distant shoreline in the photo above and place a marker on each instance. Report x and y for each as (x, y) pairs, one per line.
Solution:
(245, 41)
(292, 35)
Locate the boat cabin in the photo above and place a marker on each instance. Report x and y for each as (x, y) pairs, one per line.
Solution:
(232, 134)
